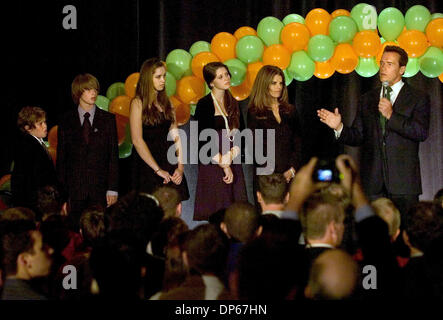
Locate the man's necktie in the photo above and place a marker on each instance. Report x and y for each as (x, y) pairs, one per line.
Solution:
(86, 127)
(383, 119)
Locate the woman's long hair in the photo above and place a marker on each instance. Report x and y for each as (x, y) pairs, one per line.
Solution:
(260, 99)
(146, 92)
(231, 105)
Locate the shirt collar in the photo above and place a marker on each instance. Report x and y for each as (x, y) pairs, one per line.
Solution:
(397, 87)
(82, 112)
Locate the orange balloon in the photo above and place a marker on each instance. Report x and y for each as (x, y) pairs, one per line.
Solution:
(182, 113)
(317, 21)
(434, 32)
(190, 89)
(251, 73)
(344, 60)
(241, 92)
(53, 153)
(277, 55)
(175, 101)
(382, 49)
(441, 77)
(121, 122)
(366, 43)
(200, 60)
(52, 136)
(295, 36)
(223, 46)
(414, 42)
(120, 105)
(340, 12)
(131, 84)
(323, 70)
(244, 31)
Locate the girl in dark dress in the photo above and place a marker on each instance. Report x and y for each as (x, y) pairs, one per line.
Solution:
(151, 119)
(220, 182)
(269, 109)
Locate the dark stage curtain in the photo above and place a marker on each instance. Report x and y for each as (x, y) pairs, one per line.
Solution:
(113, 38)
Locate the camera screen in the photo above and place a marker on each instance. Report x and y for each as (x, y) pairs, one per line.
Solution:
(324, 175)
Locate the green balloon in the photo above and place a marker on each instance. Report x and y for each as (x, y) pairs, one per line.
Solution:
(390, 23)
(237, 70)
(128, 138)
(102, 102)
(301, 67)
(431, 63)
(367, 67)
(115, 90)
(436, 15)
(269, 29)
(178, 63)
(199, 46)
(170, 85)
(293, 17)
(412, 67)
(417, 18)
(207, 90)
(288, 77)
(249, 49)
(192, 107)
(342, 29)
(124, 150)
(365, 16)
(320, 47)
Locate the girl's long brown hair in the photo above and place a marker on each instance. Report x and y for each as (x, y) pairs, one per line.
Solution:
(146, 92)
(231, 105)
(260, 99)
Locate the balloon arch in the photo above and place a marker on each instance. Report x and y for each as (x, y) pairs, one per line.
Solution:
(318, 45)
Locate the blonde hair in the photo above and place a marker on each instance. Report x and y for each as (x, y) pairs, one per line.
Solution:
(29, 116)
(260, 99)
(385, 209)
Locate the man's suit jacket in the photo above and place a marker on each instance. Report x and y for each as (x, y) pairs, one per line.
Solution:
(406, 128)
(33, 169)
(88, 170)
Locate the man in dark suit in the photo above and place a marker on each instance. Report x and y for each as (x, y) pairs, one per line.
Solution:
(87, 150)
(389, 125)
(33, 166)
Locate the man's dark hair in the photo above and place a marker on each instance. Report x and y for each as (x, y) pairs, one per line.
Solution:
(424, 224)
(242, 221)
(273, 188)
(92, 225)
(403, 60)
(16, 238)
(48, 202)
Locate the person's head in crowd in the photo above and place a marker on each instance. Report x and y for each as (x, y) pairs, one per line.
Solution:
(241, 222)
(17, 213)
(136, 212)
(204, 251)
(333, 276)
(423, 226)
(438, 197)
(386, 210)
(49, 202)
(92, 225)
(338, 191)
(151, 91)
(83, 85)
(277, 230)
(269, 87)
(169, 229)
(170, 201)
(25, 256)
(32, 120)
(117, 265)
(217, 76)
(272, 191)
(270, 271)
(56, 233)
(322, 219)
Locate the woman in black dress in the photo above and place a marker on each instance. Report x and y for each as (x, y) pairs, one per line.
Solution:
(269, 109)
(151, 119)
(220, 178)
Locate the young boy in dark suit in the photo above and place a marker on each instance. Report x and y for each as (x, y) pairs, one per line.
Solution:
(87, 150)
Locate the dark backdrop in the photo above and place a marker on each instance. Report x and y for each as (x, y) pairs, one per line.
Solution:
(114, 37)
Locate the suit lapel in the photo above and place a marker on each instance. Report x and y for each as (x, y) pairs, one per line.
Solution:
(403, 100)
